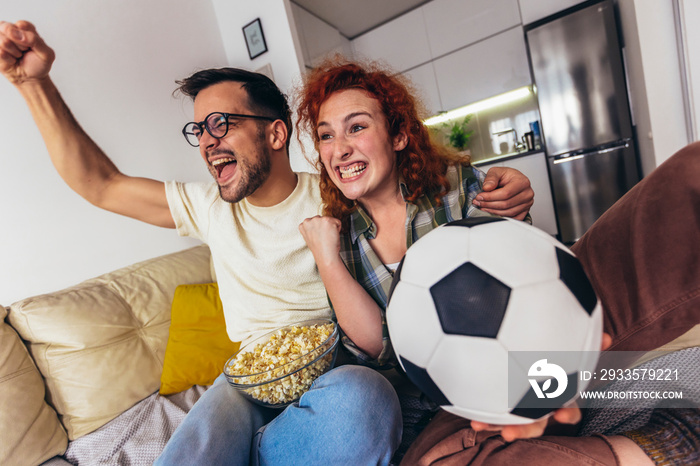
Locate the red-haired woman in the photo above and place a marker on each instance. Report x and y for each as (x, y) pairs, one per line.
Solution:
(384, 183)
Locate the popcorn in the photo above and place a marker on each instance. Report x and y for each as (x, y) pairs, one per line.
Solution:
(285, 354)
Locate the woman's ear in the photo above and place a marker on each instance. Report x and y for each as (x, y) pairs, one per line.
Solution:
(400, 141)
(278, 135)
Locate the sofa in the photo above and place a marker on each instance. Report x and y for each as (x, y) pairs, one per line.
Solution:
(83, 370)
(90, 361)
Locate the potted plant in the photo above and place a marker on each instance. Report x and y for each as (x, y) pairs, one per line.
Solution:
(458, 135)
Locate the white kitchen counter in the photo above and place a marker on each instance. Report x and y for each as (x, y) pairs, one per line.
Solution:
(532, 164)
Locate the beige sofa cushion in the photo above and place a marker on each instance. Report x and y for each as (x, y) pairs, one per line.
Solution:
(100, 344)
(689, 339)
(29, 429)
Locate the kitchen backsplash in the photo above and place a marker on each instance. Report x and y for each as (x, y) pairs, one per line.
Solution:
(484, 144)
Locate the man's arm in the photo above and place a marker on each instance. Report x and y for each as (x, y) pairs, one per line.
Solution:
(506, 192)
(25, 60)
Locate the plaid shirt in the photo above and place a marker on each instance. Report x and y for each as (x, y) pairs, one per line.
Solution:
(421, 217)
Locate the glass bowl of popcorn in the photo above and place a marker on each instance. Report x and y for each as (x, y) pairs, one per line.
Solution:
(275, 369)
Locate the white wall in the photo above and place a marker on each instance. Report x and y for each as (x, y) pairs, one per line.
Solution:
(662, 71)
(689, 13)
(654, 75)
(116, 65)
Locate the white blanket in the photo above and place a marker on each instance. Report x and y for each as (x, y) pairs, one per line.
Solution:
(136, 437)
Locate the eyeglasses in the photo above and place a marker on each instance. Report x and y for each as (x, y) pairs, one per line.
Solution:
(216, 123)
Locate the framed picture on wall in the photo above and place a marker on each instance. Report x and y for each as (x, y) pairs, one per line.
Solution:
(254, 38)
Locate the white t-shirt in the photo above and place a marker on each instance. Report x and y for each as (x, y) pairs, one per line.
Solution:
(266, 274)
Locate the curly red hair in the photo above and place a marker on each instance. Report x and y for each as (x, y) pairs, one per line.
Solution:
(422, 163)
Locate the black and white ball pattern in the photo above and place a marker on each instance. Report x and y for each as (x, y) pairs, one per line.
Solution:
(470, 292)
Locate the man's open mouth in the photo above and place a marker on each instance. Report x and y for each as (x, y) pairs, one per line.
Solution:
(220, 164)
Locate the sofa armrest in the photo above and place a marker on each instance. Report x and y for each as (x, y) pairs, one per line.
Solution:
(29, 428)
(100, 345)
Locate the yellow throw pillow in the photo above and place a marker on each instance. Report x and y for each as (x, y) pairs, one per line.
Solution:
(198, 345)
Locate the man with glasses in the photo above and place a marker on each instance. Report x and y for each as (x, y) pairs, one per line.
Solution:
(267, 277)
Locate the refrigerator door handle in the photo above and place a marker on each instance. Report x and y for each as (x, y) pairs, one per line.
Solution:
(566, 158)
(563, 158)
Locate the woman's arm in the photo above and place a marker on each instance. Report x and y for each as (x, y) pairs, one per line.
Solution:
(358, 314)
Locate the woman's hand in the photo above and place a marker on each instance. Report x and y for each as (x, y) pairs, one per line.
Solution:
(322, 236)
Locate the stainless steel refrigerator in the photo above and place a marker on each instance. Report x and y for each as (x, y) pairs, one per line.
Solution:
(581, 88)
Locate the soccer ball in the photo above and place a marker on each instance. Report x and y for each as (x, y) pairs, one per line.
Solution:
(494, 320)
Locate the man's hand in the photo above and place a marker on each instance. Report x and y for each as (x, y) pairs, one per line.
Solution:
(506, 192)
(569, 415)
(566, 415)
(24, 56)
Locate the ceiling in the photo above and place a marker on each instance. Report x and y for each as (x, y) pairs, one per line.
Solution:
(353, 18)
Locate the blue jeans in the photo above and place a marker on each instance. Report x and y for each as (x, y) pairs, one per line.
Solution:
(350, 415)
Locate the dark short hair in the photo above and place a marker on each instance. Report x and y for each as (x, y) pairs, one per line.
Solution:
(264, 97)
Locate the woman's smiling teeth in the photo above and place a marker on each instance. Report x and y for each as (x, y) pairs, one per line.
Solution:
(351, 170)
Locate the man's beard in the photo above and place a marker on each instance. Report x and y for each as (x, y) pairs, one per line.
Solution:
(252, 176)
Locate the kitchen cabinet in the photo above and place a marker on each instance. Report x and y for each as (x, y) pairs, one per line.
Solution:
(534, 10)
(453, 24)
(318, 38)
(423, 78)
(534, 166)
(487, 68)
(401, 43)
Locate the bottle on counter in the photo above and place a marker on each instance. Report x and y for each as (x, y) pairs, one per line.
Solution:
(537, 134)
